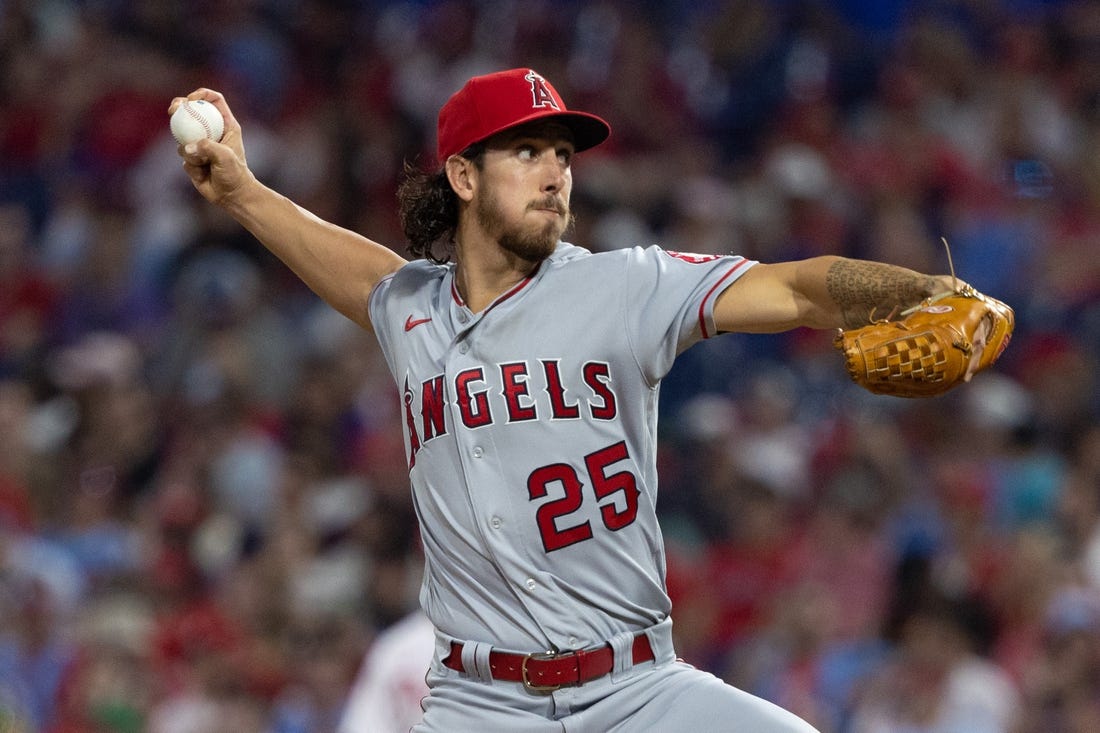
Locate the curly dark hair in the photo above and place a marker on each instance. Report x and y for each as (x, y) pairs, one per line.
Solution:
(428, 208)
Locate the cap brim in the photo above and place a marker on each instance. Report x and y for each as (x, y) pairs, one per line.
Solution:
(588, 129)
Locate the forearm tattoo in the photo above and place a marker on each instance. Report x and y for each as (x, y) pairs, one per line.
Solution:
(867, 291)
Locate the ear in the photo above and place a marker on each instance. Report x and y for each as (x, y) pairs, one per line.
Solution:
(461, 174)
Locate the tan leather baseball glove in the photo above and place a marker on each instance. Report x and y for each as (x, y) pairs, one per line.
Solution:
(930, 349)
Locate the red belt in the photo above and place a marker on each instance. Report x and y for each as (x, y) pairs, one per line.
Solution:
(549, 671)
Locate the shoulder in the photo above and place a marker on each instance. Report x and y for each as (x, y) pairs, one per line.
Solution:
(420, 271)
(567, 253)
(656, 257)
(645, 261)
(570, 255)
(412, 634)
(411, 277)
(416, 282)
(637, 253)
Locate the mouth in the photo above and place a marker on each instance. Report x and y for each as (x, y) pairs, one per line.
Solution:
(552, 206)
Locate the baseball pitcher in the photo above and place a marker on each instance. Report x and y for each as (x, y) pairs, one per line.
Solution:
(529, 369)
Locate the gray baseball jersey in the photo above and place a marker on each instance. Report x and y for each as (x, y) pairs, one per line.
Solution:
(531, 430)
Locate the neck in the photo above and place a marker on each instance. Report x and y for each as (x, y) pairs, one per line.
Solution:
(484, 273)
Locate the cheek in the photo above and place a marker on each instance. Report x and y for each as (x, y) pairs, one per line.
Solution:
(504, 191)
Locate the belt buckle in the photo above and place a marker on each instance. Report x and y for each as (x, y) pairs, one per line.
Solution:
(527, 683)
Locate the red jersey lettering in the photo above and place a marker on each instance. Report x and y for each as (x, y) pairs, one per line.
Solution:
(410, 423)
(597, 377)
(432, 404)
(560, 409)
(514, 376)
(474, 406)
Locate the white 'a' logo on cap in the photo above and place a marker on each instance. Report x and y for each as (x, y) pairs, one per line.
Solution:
(541, 95)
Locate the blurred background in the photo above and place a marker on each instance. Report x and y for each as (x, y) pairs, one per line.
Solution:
(204, 512)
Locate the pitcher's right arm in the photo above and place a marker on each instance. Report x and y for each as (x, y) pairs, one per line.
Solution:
(337, 264)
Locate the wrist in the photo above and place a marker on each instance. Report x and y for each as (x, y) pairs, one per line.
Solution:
(243, 198)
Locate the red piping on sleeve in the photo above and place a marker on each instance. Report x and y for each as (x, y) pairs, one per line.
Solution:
(711, 293)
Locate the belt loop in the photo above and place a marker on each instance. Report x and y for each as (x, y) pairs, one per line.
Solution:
(660, 639)
(622, 645)
(475, 660)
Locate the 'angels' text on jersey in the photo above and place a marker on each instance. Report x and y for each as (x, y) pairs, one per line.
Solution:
(511, 392)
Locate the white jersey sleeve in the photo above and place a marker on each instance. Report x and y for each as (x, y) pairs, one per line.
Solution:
(670, 304)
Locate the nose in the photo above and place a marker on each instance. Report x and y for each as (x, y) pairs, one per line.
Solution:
(556, 174)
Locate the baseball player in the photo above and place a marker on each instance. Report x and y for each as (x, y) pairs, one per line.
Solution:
(530, 370)
(386, 694)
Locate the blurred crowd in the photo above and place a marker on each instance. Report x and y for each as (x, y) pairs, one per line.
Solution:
(204, 511)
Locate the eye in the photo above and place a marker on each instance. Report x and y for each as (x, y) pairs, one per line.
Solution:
(526, 152)
(565, 156)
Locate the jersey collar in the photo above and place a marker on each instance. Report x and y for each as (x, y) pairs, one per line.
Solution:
(457, 297)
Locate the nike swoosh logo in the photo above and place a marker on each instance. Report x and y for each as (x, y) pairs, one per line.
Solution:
(410, 324)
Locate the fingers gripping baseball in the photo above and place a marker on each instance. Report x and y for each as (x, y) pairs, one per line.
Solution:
(217, 169)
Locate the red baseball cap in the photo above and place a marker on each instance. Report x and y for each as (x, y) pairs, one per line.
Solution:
(492, 103)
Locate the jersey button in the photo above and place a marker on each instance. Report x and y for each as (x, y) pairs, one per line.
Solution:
(463, 347)
(478, 452)
(530, 584)
(495, 522)
(462, 317)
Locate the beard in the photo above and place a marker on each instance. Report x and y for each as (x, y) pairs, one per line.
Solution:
(533, 243)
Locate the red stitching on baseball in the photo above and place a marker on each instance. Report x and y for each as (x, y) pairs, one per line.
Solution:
(198, 118)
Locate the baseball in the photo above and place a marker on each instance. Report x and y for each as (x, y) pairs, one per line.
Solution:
(194, 120)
